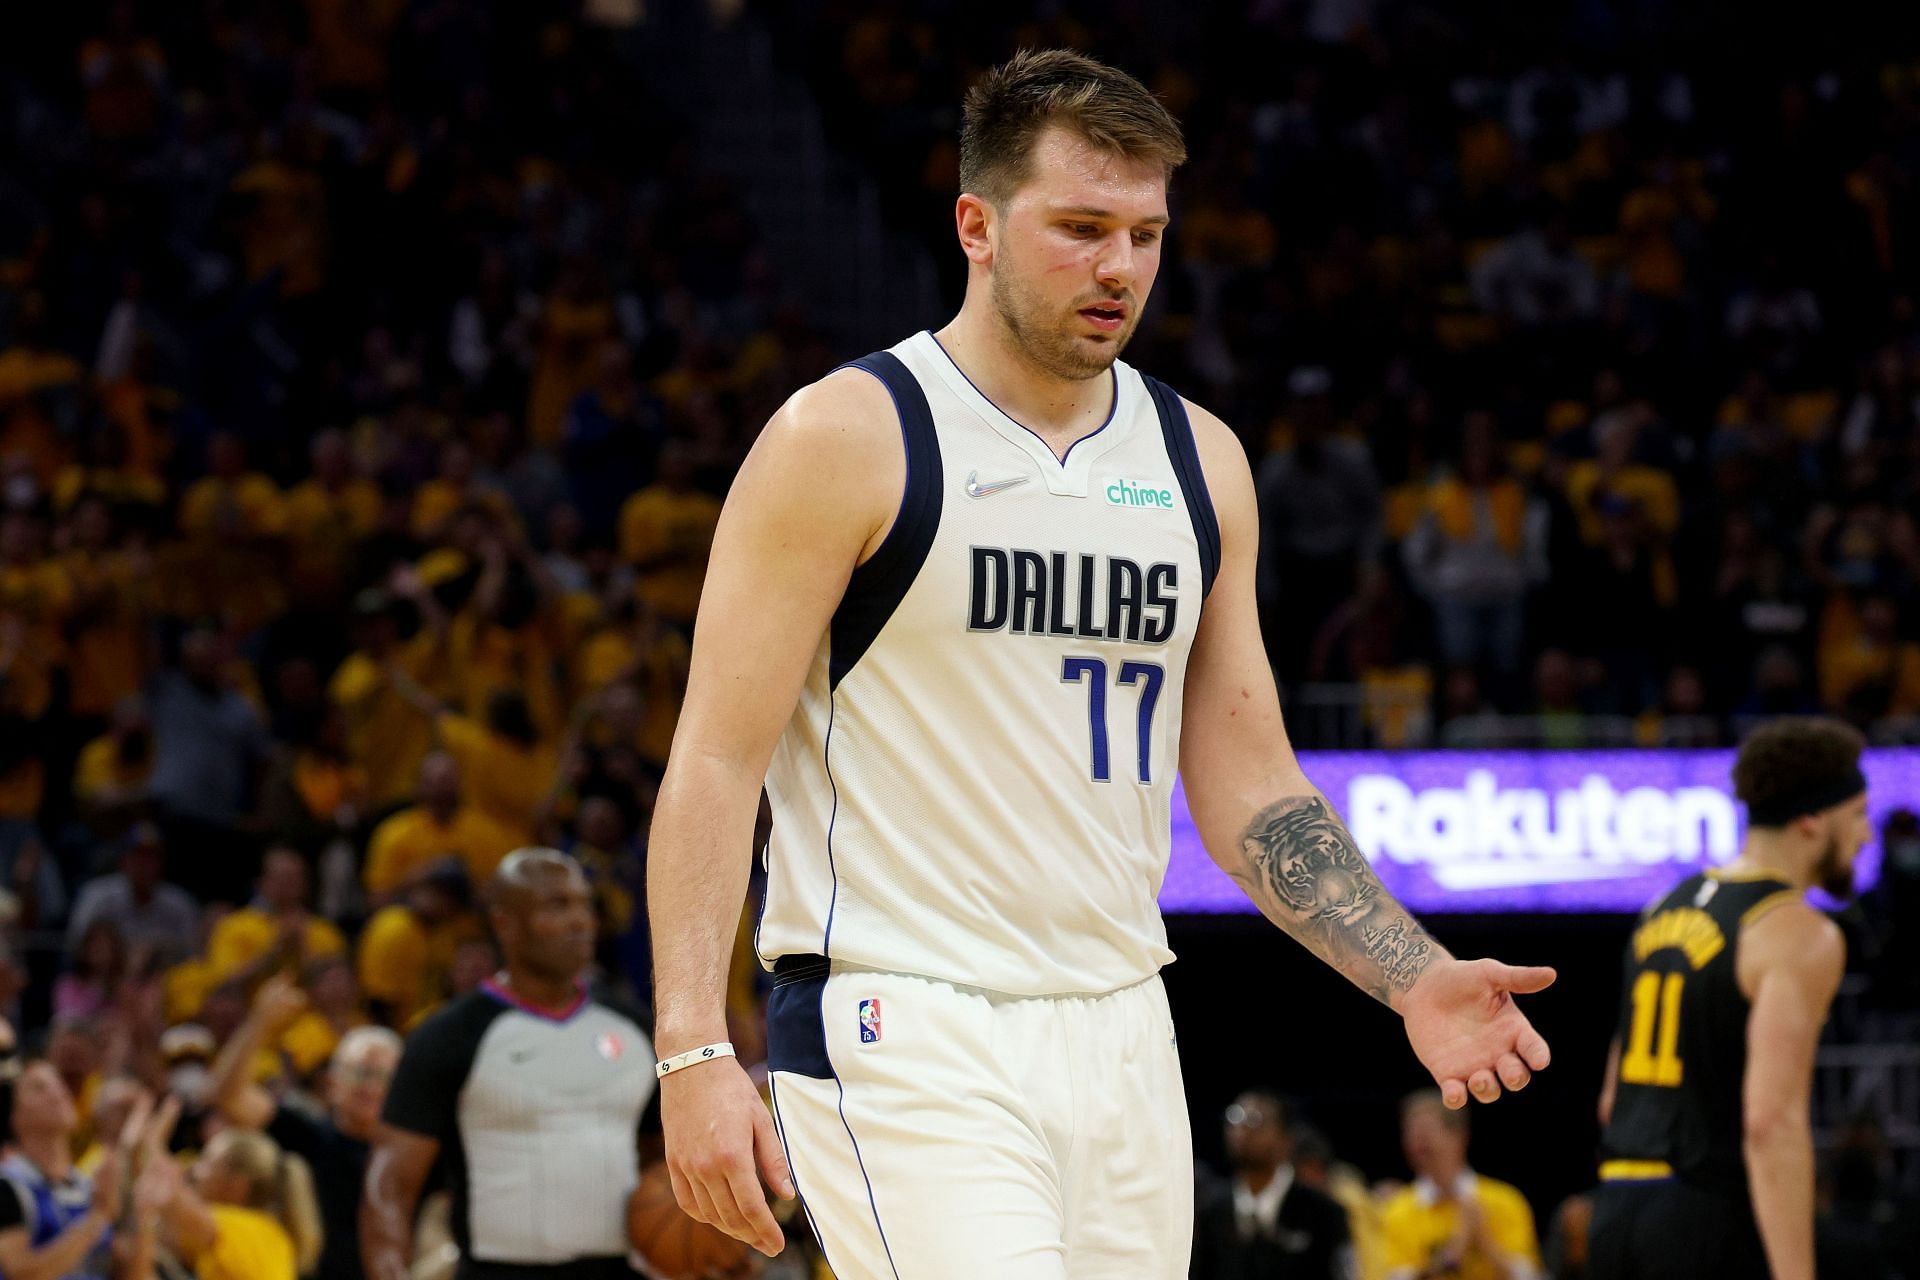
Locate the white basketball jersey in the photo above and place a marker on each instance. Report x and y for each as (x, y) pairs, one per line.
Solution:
(975, 784)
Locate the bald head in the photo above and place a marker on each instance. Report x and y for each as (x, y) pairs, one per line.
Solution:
(542, 912)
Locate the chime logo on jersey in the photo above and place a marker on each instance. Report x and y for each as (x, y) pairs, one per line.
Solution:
(870, 1021)
(1132, 493)
(609, 1046)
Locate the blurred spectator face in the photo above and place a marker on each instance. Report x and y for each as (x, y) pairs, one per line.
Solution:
(1255, 1138)
(74, 1050)
(623, 709)
(358, 1076)
(1048, 271)
(202, 654)
(473, 961)
(145, 864)
(1686, 692)
(440, 783)
(102, 954)
(283, 881)
(600, 824)
(224, 1010)
(215, 1175)
(42, 1104)
(331, 987)
(1434, 1138)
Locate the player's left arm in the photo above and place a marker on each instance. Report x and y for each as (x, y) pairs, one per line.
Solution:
(1269, 828)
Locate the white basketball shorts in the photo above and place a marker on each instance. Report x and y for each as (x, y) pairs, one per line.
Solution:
(939, 1132)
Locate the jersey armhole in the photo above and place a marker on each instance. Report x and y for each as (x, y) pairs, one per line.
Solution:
(1177, 430)
(878, 586)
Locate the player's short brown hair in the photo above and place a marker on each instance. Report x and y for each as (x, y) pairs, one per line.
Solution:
(1009, 106)
(1785, 761)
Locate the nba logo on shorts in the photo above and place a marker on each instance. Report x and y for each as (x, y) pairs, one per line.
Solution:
(869, 1021)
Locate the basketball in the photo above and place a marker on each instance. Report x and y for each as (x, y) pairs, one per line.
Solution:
(675, 1246)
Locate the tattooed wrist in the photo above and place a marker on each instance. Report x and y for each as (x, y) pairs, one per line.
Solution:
(1304, 870)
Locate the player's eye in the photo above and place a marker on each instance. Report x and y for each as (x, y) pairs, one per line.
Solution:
(1144, 238)
(1082, 228)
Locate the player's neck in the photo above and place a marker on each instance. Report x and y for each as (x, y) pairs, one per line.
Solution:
(1768, 854)
(1059, 410)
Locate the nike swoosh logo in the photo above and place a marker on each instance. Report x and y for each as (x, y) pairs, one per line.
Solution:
(977, 490)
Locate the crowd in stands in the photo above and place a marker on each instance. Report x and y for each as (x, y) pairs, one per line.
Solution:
(369, 373)
(371, 370)
(1285, 1208)
(1578, 356)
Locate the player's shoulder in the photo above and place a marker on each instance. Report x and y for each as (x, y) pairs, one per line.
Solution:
(849, 406)
(1785, 930)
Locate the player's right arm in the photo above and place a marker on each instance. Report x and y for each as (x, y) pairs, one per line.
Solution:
(1790, 964)
(814, 498)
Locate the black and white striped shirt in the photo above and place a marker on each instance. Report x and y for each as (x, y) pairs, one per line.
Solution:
(538, 1115)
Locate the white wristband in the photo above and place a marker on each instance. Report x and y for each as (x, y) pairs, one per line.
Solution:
(692, 1058)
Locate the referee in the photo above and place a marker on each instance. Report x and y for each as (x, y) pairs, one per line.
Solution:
(529, 1092)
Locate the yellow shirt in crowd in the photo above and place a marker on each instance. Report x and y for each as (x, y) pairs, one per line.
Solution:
(1416, 1225)
(386, 735)
(247, 1245)
(411, 839)
(671, 532)
(509, 783)
(404, 964)
(246, 935)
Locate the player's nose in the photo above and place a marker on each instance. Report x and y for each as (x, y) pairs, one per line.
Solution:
(1115, 266)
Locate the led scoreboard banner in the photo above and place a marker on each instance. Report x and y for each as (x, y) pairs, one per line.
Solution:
(1487, 831)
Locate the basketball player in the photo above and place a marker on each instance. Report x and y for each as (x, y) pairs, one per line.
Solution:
(973, 600)
(1728, 978)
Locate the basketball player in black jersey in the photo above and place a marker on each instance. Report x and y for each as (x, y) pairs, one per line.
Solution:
(1708, 1152)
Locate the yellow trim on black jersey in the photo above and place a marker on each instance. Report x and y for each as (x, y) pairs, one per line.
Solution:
(1767, 904)
(1634, 1170)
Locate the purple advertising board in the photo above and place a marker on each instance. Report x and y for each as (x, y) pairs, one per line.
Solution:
(1493, 831)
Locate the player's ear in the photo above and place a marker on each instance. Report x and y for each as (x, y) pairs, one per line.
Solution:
(974, 219)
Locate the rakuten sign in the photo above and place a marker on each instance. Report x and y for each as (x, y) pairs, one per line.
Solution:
(1530, 831)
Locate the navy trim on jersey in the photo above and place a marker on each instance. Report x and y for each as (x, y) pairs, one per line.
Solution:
(878, 586)
(1113, 410)
(1178, 433)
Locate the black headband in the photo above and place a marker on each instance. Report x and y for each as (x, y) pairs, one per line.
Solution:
(1809, 800)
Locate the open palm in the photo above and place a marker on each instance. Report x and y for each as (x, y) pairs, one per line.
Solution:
(1466, 1029)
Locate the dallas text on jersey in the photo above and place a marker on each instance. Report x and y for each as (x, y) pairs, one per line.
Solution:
(1036, 593)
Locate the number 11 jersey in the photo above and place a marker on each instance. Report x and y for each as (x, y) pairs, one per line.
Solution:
(976, 783)
(1682, 1032)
